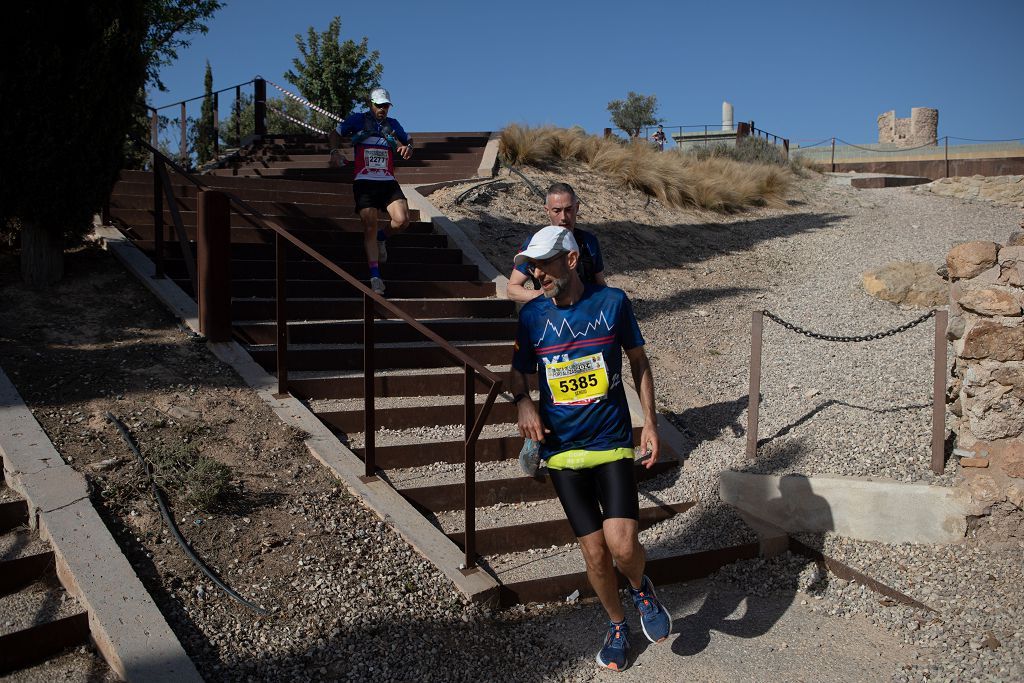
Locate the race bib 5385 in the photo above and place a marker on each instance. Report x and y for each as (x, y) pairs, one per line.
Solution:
(581, 380)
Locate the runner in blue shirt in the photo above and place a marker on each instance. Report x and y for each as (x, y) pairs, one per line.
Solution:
(575, 334)
(562, 207)
(376, 138)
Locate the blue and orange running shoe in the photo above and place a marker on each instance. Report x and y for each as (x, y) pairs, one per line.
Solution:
(614, 653)
(654, 618)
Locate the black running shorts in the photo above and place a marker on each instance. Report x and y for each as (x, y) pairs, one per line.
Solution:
(592, 495)
(376, 194)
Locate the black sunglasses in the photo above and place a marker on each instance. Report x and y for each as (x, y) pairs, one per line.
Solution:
(543, 265)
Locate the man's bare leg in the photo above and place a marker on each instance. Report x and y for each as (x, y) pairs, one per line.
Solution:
(620, 536)
(369, 218)
(601, 573)
(398, 211)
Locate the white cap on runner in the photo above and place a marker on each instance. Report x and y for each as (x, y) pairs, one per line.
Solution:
(546, 243)
(380, 96)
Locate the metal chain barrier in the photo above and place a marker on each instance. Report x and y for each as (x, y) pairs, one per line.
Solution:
(835, 338)
(304, 101)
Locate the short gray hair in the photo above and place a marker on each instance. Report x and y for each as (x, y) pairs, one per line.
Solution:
(561, 188)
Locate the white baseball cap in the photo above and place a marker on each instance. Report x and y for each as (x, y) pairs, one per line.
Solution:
(380, 96)
(547, 243)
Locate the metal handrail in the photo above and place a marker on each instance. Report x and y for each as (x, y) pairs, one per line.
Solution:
(474, 420)
(199, 97)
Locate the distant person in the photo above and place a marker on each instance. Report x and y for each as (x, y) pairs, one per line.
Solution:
(562, 207)
(659, 139)
(376, 139)
(573, 338)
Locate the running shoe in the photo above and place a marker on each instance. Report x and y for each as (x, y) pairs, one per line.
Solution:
(382, 251)
(654, 618)
(614, 654)
(377, 285)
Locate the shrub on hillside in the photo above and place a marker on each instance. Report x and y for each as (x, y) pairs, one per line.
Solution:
(678, 179)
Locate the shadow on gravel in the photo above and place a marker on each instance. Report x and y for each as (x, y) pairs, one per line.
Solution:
(828, 404)
(704, 423)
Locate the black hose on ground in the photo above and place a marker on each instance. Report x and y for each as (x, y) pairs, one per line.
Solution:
(162, 502)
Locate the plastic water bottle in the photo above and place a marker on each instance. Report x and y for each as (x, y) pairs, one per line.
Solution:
(529, 457)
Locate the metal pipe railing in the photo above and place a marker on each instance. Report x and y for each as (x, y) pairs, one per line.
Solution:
(373, 303)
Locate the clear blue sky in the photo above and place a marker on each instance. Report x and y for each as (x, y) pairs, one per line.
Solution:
(803, 69)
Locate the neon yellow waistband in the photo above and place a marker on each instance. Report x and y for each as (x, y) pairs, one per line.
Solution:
(581, 459)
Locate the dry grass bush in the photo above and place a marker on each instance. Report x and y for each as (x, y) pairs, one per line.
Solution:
(677, 179)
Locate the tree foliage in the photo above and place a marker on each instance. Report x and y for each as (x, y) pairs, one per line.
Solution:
(168, 23)
(69, 92)
(204, 128)
(240, 123)
(634, 112)
(332, 74)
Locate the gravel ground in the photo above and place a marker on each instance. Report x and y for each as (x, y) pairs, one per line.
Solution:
(827, 408)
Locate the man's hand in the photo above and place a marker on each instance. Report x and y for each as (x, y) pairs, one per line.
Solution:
(649, 442)
(405, 151)
(530, 425)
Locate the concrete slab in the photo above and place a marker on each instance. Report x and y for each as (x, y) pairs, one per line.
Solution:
(875, 180)
(866, 509)
(128, 629)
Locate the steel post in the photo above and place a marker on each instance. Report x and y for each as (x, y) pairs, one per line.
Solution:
(470, 397)
(216, 124)
(260, 108)
(213, 253)
(754, 391)
(369, 418)
(833, 155)
(158, 217)
(238, 114)
(154, 130)
(939, 394)
(947, 156)
(184, 138)
(280, 259)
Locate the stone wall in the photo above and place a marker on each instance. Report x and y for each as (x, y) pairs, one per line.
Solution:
(986, 326)
(922, 128)
(1005, 189)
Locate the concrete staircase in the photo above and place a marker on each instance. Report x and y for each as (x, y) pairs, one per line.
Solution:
(41, 625)
(522, 534)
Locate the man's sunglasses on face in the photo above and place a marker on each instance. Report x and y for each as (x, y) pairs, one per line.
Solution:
(543, 265)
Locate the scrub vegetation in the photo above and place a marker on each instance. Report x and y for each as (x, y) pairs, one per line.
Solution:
(676, 178)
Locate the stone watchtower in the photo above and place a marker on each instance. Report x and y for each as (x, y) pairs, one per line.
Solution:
(922, 128)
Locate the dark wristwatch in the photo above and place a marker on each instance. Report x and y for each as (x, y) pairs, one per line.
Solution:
(518, 397)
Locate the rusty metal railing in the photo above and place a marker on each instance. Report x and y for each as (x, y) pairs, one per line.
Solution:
(373, 305)
(938, 441)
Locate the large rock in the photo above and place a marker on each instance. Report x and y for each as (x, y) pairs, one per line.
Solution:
(1011, 265)
(907, 282)
(1011, 375)
(971, 258)
(990, 301)
(993, 341)
(992, 411)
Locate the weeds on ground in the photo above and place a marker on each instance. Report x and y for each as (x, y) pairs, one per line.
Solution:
(677, 179)
(753, 150)
(186, 475)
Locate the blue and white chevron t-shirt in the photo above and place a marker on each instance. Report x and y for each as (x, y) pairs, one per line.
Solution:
(578, 351)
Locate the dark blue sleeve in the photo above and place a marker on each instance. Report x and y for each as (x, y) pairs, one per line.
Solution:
(400, 133)
(629, 330)
(595, 252)
(524, 355)
(522, 267)
(350, 125)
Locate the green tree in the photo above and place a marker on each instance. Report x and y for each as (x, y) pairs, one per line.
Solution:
(242, 118)
(68, 97)
(332, 74)
(204, 128)
(168, 22)
(634, 112)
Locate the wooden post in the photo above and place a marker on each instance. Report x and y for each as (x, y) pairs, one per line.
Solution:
(238, 114)
(369, 367)
(754, 390)
(281, 305)
(213, 256)
(158, 216)
(470, 452)
(154, 130)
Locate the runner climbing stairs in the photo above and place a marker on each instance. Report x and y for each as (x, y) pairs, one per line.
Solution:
(42, 628)
(522, 532)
